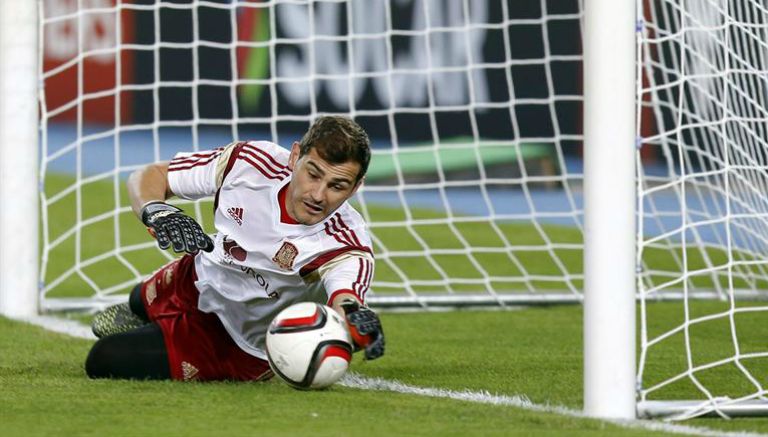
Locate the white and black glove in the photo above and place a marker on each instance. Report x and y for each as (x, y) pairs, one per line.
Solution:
(365, 329)
(171, 227)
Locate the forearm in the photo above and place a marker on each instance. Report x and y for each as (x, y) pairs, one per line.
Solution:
(148, 184)
(340, 299)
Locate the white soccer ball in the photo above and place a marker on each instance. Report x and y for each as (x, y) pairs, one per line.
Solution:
(308, 346)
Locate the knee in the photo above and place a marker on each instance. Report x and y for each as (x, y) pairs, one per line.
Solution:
(96, 364)
(137, 304)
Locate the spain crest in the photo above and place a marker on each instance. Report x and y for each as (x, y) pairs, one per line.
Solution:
(285, 256)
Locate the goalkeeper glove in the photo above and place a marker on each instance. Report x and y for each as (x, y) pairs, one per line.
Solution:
(365, 329)
(170, 226)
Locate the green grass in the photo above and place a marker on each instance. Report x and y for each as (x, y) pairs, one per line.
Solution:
(535, 352)
(45, 391)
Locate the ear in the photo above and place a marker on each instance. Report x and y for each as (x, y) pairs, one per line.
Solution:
(357, 186)
(294, 157)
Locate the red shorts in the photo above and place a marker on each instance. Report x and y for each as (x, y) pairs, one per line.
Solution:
(198, 345)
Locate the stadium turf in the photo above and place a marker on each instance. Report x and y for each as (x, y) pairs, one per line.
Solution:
(45, 392)
(534, 352)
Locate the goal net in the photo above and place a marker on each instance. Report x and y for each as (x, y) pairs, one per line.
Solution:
(472, 108)
(474, 194)
(703, 214)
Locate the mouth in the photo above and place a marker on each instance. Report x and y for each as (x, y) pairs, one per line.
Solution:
(312, 208)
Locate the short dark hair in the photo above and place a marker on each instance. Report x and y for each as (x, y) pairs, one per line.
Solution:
(338, 140)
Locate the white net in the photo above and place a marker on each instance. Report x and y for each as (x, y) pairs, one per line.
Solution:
(472, 107)
(703, 107)
(474, 191)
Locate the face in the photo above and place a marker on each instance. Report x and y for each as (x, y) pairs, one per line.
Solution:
(318, 187)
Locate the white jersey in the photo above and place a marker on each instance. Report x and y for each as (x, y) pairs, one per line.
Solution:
(260, 265)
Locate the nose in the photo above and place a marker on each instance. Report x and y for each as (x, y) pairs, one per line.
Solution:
(318, 193)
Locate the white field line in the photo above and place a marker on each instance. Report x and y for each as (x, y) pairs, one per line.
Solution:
(353, 380)
(73, 328)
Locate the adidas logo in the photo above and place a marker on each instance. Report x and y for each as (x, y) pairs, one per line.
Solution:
(236, 214)
(188, 370)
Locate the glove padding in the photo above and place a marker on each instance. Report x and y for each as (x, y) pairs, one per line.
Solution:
(365, 329)
(171, 227)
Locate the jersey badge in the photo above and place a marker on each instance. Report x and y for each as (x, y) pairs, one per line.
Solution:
(285, 256)
(236, 214)
(232, 249)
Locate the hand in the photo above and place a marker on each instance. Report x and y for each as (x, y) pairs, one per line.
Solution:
(170, 226)
(365, 329)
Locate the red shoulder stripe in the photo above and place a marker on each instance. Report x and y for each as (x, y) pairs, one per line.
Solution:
(194, 157)
(265, 164)
(266, 174)
(188, 160)
(268, 156)
(206, 153)
(334, 234)
(351, 231)
(187, 164)
(341, 232)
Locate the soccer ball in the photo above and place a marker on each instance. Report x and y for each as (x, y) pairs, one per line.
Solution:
(308, 346)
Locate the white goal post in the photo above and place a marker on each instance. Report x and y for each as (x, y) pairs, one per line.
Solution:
(19, 211)
(608, 152)
(609, 208)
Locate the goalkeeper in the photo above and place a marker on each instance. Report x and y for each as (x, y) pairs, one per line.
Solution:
(285, 234)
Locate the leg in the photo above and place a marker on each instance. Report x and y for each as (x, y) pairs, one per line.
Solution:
(136, 354)
(196, 347)
(120, 317)
(136, 304)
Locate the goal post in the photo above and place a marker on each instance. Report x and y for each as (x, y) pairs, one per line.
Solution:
(609, 208)
(19, 184)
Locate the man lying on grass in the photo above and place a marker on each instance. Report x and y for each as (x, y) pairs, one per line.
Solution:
(285, 234)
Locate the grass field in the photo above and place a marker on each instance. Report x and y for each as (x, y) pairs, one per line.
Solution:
(535, 352)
